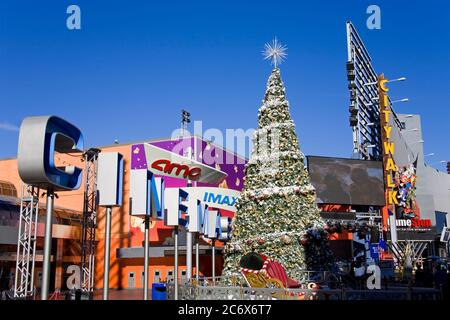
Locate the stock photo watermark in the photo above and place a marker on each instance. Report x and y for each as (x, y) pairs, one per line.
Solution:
(373, 282)
(73, 21)
(374, 20)
(260, 145)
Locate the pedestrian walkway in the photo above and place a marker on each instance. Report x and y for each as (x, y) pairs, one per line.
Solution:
(125, 294)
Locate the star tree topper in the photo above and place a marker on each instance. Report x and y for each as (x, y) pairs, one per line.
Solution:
(275, 51)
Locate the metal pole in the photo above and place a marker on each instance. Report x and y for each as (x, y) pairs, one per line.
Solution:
(197, 256)
(188, 255)
(107, 254)
(146, 247)
(393, 226)
(176, 262)
(47, 245)
(189, 234)
(213, 261)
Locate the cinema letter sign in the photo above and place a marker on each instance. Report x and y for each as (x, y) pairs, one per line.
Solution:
(39, 139)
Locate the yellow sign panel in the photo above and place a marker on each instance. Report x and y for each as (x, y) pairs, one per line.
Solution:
(388, 145)
(383, 85)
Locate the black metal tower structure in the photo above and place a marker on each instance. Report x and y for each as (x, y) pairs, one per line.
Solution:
(89, 222)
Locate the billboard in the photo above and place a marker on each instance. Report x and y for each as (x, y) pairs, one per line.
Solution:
(347, 181)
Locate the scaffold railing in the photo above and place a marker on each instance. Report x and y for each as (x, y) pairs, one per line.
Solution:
(26, 242)
(409, 250)
(196, 292)
(89, 220)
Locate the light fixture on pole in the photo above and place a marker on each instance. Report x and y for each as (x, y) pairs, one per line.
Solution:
(191, 154)
(185, 119)
(394, 80)
(410, 130)
(429, 154)
(400, 100)
(398, 79)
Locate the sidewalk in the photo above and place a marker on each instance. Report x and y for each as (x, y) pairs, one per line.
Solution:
(125, 294)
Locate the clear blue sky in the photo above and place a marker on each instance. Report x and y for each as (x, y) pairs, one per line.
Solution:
(134, 64)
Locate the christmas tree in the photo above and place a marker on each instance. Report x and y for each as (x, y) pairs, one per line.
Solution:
(276, 214)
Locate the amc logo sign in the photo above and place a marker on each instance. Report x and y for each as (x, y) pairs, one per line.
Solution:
(166, 163)
(168, 167)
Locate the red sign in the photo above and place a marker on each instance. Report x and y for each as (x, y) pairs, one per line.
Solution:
(413, 223)
(168, 167)
(421, 223)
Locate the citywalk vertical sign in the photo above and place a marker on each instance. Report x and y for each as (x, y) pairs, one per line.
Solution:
(390, 169)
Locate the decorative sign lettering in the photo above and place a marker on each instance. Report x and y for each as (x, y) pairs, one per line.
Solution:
(399, 181)
(196, 213)
(175, 205)
(196, 204)
(146, 194)
(212, 225)
(39, 139)
(110, 179)
(413, 223)
(388, 145)
(164, 165)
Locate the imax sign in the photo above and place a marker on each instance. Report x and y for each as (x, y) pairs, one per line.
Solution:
(215, 199)
(219, 198)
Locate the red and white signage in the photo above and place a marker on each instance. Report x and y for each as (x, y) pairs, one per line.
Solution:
(166, 163)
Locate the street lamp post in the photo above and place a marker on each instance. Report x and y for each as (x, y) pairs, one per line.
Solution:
(409, 130)
(400, 100)
(393, 80)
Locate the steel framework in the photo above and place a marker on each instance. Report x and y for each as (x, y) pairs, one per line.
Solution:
(364, 111)
(364, 101)
(26, 242)
(364, 106)
(89, 220)
(198, 292)
(409, 249)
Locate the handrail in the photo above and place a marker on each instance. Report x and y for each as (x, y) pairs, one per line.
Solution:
(193, 292)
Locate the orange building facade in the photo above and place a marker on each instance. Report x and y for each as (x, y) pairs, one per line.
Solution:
(127, 233)
(126, 230)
